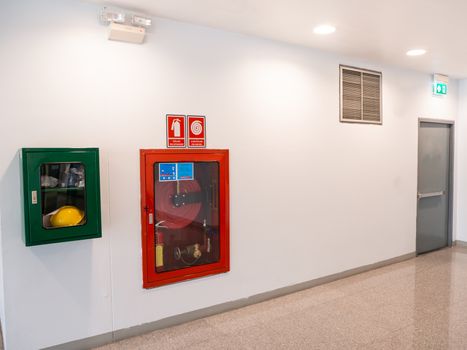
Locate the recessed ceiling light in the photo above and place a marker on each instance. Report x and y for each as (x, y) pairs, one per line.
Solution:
(416, 52)
(324, 29)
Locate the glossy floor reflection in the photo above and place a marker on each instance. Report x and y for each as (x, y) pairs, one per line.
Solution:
(417, 304)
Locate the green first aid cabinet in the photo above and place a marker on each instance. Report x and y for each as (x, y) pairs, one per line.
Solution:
(61, 194)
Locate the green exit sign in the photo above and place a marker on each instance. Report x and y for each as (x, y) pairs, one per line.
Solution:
(440, 84)
(440, 88)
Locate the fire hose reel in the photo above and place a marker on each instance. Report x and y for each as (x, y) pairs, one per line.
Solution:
(189, 195)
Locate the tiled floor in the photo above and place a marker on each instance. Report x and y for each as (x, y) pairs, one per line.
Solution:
(417, 304)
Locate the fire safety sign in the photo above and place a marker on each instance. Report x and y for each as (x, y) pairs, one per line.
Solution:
(176, 137)
(196, 131)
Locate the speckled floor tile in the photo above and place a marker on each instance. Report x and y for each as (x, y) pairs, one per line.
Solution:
(446, 329)
(172, 338)
(417, 304)
(292, 335)
(270, 310)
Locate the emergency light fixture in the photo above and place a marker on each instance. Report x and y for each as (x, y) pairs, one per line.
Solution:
(141, 21)
(126, 27)
(112, 17)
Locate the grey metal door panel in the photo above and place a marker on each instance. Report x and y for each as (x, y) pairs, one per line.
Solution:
(434, 159)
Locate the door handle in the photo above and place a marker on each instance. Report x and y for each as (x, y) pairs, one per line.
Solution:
(430, 194)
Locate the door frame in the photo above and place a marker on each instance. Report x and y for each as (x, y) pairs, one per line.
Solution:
(451, 124)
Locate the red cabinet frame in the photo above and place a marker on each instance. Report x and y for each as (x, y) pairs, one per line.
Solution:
(148, 158)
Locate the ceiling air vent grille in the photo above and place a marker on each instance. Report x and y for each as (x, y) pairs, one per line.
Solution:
(360, 95)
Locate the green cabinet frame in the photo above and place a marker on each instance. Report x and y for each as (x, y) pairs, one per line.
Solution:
(31, 160)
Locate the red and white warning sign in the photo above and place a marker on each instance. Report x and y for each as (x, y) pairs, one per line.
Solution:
(196, 131)
(176, 137)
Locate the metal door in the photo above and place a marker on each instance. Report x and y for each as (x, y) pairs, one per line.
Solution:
(434, 186)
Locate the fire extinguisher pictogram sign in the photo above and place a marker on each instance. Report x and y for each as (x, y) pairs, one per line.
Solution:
(176, 137)
(196, 131)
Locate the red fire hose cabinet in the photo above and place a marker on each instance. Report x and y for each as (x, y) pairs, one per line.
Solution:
(184, 214)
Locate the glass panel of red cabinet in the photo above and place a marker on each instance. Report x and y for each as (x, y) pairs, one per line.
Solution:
(184, 214)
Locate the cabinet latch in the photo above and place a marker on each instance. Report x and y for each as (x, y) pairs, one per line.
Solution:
(34, 197)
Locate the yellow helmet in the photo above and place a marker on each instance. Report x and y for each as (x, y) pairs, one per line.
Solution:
(67, 215)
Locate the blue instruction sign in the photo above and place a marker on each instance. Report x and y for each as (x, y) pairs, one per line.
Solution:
(185, 171)
(176, 171)
(167, 172)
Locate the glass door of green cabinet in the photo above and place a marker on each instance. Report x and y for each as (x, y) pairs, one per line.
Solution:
(61, 194)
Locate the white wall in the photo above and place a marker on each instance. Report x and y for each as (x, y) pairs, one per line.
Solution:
(461, 162)
(350, 202)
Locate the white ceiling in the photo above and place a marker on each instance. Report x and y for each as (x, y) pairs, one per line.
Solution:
(377, 30)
